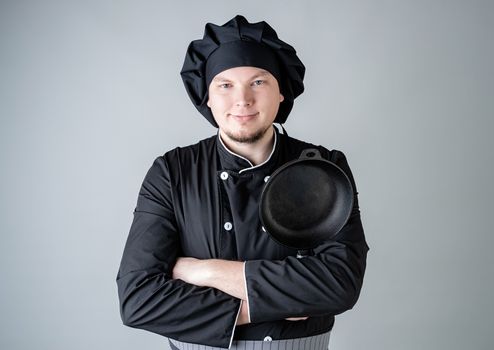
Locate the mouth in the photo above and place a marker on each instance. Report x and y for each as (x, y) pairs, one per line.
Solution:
(244, 117)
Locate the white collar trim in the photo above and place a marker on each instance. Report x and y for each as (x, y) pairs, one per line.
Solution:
(248, 161)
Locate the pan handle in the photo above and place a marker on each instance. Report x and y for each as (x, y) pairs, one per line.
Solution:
(310, 153)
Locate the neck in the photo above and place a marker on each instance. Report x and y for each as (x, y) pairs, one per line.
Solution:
(256, 152)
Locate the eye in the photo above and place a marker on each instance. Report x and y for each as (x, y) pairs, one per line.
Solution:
(225, 85)
(258, 82)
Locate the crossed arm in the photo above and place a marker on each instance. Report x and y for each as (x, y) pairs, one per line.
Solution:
(225, 275)
(199, 301)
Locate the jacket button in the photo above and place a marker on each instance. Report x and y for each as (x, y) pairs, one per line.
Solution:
(228, 226)
(266, 179)
(224, 175)
(268, 338)
(263, 229)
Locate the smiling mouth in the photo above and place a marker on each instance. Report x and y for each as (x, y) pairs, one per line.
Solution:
(244, 116)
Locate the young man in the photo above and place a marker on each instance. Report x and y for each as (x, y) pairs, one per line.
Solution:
(198, 267)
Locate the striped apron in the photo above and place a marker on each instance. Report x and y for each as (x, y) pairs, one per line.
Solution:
(316, 342)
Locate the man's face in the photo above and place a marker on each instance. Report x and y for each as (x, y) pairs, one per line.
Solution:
(244, 102)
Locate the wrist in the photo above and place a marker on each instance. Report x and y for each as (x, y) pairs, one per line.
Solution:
(215, 272)
(243, 317)
(206, 275)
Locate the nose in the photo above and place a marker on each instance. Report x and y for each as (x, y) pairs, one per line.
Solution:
(244, 97)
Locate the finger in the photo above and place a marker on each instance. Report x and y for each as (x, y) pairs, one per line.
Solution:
(296, 318)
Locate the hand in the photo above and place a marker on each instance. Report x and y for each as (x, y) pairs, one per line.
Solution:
(296, 318)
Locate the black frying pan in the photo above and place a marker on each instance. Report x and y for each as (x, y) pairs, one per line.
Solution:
(306, 201)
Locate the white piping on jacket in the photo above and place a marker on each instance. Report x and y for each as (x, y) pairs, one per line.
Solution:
(239, 156)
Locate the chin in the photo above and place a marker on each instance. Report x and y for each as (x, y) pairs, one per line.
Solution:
(246, 137)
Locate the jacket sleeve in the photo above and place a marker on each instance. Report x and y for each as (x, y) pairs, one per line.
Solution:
(149, 298)
(327, 282)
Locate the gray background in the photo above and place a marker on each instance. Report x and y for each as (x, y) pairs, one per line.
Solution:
(90, 94)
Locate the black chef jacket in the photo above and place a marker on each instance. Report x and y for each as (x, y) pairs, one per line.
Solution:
(202, 201)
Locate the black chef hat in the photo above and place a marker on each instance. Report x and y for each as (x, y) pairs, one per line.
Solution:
(240, 43)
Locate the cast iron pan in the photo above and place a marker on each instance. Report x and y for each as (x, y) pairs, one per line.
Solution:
(306, 201)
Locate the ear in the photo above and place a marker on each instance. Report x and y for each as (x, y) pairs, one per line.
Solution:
(207, 103)
(282, 98)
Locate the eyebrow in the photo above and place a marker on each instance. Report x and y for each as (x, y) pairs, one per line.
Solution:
(257, 75)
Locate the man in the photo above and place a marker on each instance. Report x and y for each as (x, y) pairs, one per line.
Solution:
(197, 266)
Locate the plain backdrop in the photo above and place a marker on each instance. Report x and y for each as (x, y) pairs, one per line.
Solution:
(90, 95)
